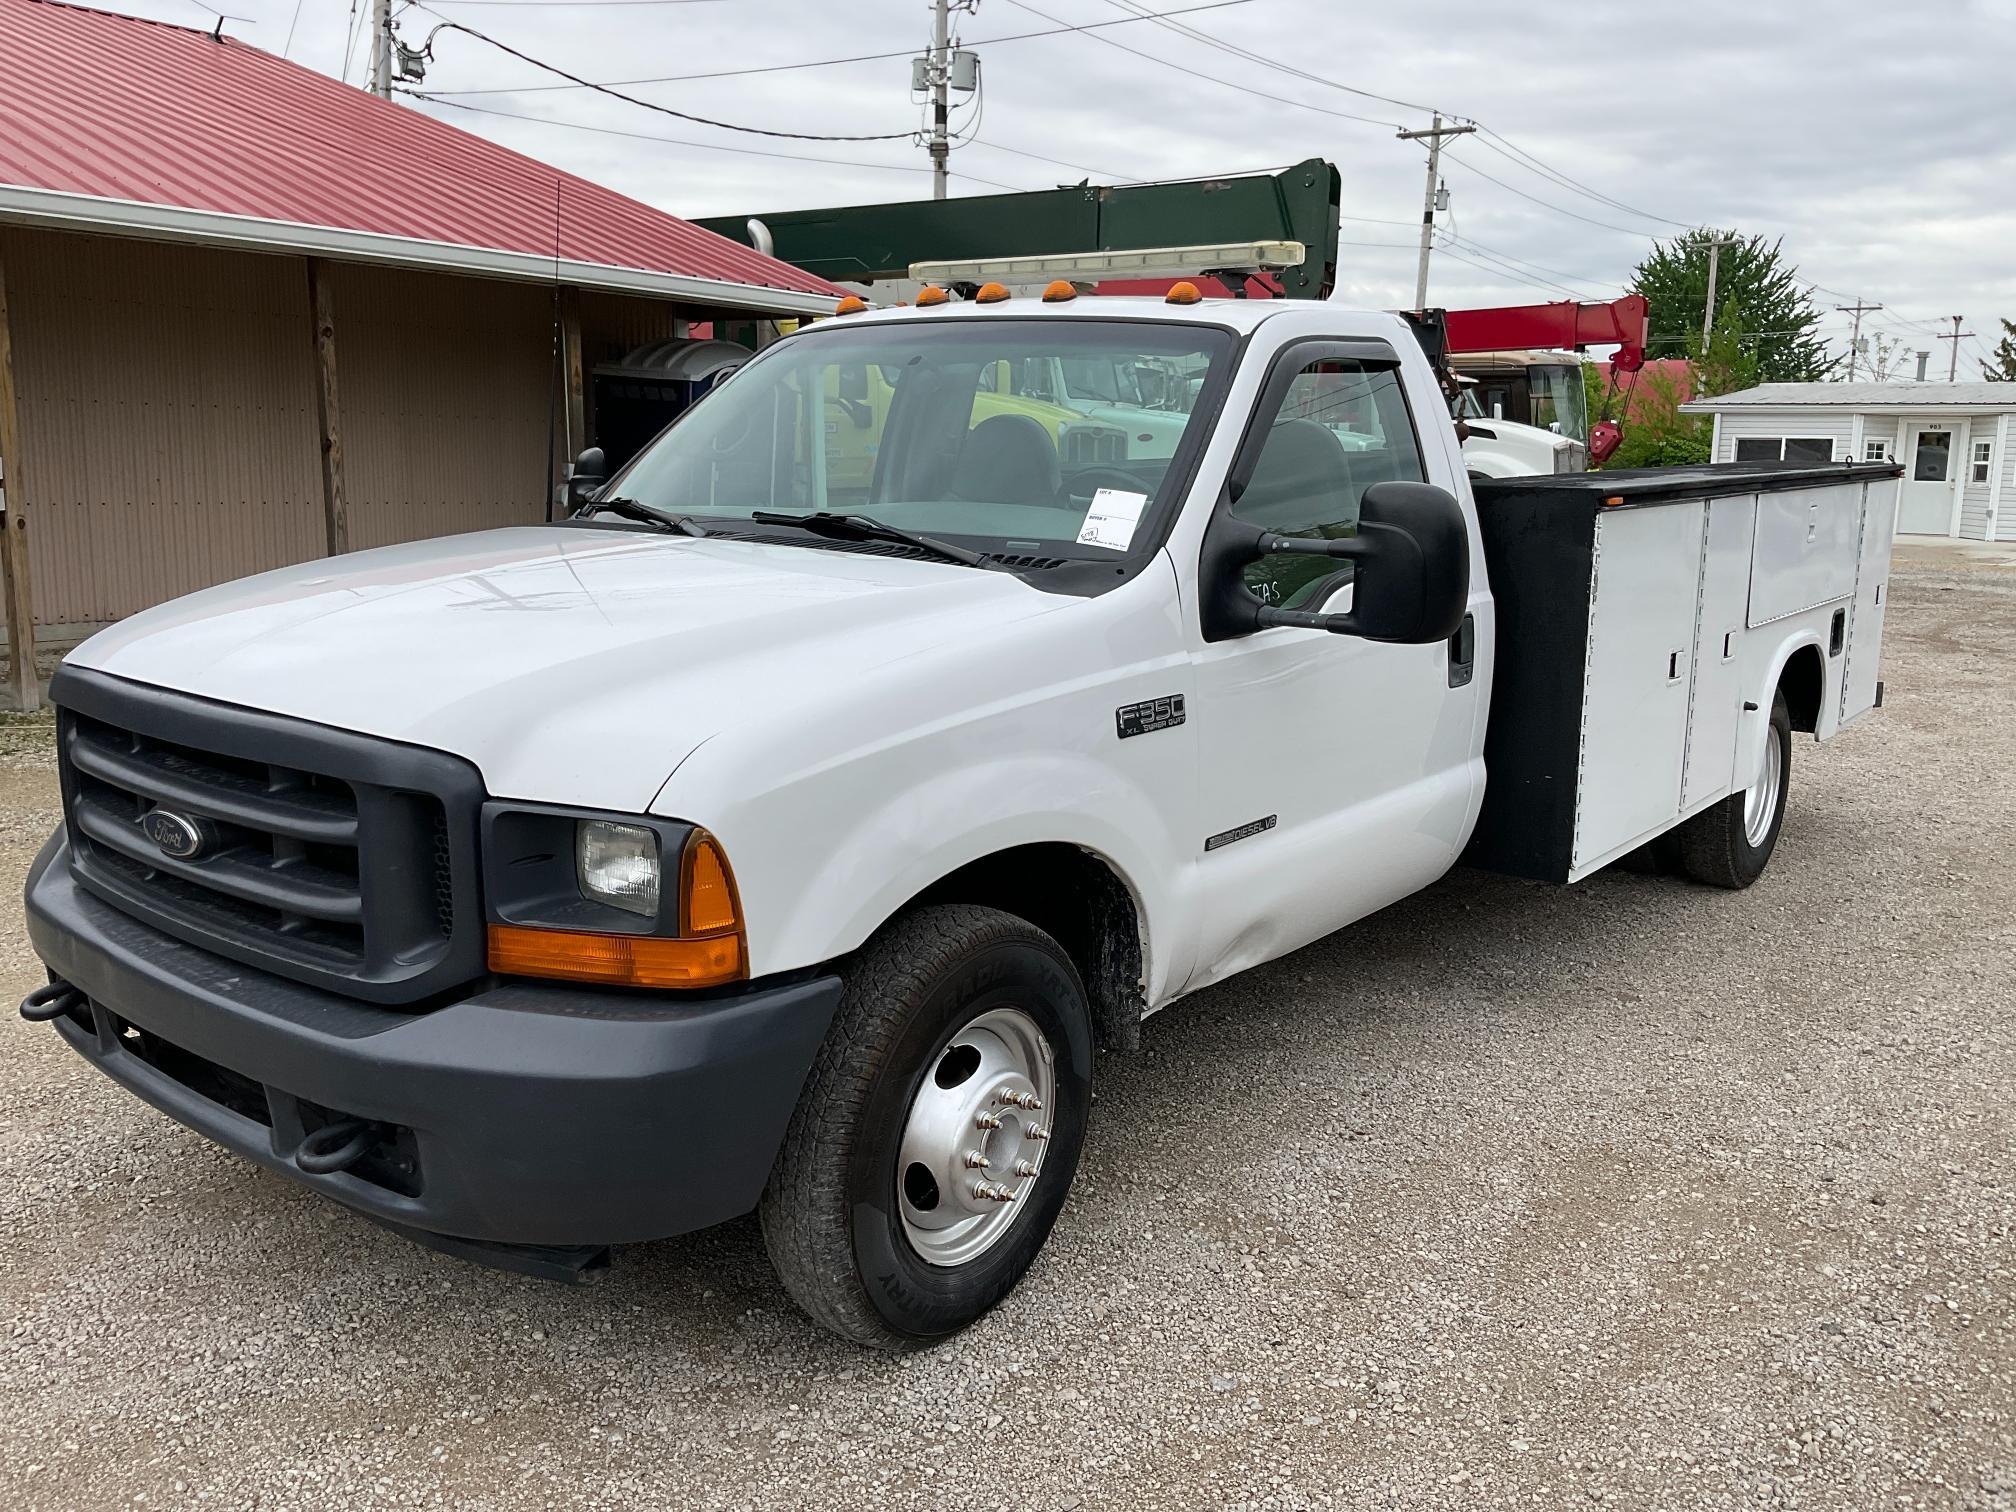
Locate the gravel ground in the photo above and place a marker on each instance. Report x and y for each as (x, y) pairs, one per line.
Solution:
(1632, 1193)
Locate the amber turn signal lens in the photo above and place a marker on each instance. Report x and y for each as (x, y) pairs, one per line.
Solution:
(931, 294)
(707, 889)
(991, 293)
(1060, 290)
(853, 304)
(1182, 293)
(615, 960)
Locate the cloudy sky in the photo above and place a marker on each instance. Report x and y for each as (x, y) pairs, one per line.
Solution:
(1879, 140)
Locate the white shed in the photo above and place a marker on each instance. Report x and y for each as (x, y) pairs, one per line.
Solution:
(1957, 442)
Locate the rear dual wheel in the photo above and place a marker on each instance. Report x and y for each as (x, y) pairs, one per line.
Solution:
(1730, 844)
(938, 1133)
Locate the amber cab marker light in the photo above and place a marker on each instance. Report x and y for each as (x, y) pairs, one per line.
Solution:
(931, 294)
(1182, 293)
(1059, 291)
(991, 293)
(1614, 501)
(853, 304)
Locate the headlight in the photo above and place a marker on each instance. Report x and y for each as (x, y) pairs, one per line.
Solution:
(630, 900)
(618, 865)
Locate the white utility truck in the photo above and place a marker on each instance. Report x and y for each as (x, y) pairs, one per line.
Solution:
(754, 842)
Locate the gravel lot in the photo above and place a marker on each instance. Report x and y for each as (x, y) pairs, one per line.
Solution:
(1631, 1193)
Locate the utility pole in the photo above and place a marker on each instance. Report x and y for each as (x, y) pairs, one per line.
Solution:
(1433, 137)
(1715, 246)
(943, 69)
(941, 77)
(1958, 336)
(381, 48)
(1858, 310)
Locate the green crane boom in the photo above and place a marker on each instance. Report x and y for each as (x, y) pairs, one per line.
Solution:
(864, 243)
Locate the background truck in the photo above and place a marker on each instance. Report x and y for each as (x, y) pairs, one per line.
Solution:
(569, 886)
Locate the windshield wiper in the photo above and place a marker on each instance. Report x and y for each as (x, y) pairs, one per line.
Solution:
(862, 528)
(635, 509)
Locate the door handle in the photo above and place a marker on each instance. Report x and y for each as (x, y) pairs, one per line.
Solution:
(1463, 653)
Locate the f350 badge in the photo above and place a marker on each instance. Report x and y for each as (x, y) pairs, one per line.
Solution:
(1149, 716)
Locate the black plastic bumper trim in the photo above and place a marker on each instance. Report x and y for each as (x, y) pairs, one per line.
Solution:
(542, 1116)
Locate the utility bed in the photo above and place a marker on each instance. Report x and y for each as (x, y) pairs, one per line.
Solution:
(1629, 608)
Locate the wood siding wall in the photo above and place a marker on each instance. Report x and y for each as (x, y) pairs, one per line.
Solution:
(169, 421)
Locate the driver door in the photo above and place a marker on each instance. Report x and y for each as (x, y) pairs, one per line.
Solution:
(1337, 774)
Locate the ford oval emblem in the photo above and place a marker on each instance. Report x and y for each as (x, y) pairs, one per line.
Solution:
(174, 835)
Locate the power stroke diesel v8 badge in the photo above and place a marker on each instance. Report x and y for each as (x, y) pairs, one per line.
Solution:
(1147, 717)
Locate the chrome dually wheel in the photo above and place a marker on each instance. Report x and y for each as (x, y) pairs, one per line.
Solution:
(1760, 800)
(974, 1141)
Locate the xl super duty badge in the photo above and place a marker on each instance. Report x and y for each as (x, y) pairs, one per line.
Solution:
(1146, 718)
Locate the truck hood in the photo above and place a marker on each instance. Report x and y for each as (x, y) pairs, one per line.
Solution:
(570, 665)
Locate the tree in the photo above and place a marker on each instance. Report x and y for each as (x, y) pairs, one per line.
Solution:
(1656, 434)
(1730, 361)
(1764, 287)
(2001, 364)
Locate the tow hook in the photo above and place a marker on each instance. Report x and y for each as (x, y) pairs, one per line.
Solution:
(50, 1002)
(335, 1147)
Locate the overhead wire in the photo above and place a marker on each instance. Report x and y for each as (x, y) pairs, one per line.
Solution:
(877, 57)
(1236, 50)
(648, 136)
(449, 24)
(1272, 99)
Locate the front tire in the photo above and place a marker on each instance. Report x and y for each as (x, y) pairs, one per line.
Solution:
(1730, 844)
(963, 1032)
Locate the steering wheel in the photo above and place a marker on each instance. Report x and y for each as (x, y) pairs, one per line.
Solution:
(1083, 484)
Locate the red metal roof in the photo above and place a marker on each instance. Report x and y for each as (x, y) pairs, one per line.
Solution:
(124, 109)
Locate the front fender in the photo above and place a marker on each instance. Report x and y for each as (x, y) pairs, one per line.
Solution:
(826, 898)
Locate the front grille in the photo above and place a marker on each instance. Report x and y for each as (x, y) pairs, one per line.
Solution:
(1085, 444)
(333, 858)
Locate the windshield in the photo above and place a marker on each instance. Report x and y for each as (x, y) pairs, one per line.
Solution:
(1560, 402)
(956, 429)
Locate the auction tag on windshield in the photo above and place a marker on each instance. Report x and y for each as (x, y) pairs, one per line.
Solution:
(1111, 520)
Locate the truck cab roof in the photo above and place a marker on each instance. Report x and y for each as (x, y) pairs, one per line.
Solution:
(1240, 315)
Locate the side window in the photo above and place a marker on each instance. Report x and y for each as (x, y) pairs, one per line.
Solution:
(1342, 426)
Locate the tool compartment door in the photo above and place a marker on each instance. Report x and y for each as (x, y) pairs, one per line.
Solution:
(1640, 663)
(1872, 596)
(1715, 700)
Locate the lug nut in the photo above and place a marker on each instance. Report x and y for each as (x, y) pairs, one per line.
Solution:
(987, 1120)
(1037, 1131)
(1025, 1168)
(975, 1161)
(1030, 1101)
(1008, 1095)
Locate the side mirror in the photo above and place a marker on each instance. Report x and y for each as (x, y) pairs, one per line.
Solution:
(591, 471)
(1411, 586)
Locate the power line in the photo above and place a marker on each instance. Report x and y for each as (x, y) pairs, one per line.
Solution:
(1342, 115)
(974, 141)
(1501, 272)
(683, 115)
(1543, 204)
(737, 73)
(1237, 51)
(1506, 149)
(579, 2)
(1509, 269)
(1509, 150)
(648, 136)
(1476, 246)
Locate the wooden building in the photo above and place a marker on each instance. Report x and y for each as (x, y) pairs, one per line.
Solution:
(249, 316)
